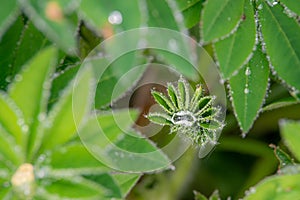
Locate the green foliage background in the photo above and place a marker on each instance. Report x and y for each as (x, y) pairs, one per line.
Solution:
(256, 45)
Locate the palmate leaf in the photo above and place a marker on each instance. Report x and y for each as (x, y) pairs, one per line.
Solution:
(284, 46)
(239, 45)
(220, 18)
(249, 88)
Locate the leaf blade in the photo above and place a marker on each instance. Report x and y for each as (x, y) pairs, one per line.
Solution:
(240, 43)
(248, 90)
(220, 18)
(284, 42)
(291, 136)
(69, 112)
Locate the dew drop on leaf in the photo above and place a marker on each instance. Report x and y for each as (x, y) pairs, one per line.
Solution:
(246, 90)
(247, 72)
(115, 17)
(24, 128)
(18, 77)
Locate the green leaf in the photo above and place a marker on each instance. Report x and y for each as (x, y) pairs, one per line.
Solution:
(49, 17)
(233, 51)
(292, 5)
(125, 182)
(29, 90)
(191, 11)
(5, 193)
(20, 43)
(108, 17)
(61, 82)
(10, 121)
(220, 18)
(215, 195)
(8, 149)
(163, 101)
(291, 136)
(76, 159)
(120, 76)
(106, 181)
(118, 184)
(284, 46)
(172, 92)
(68, 113)
(8, 13)
(280, 104)
(183, 94)
(276, 188)
(162, 14)
(77, 188)
(102, 135)
(159, 118)
(248, 90)
(199, 196)
(283, 158)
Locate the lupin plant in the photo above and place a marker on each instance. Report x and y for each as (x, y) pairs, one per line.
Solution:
(196, 118)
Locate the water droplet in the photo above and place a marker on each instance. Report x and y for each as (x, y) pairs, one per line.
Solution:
(47, 86)
(179, 17)
(18, 77)
(172, 167)
(20, 121)
(260, 6)
(274, 3)
(42, 117)
(184, 118)
(246, 90)
(8, 79)
(252, 190)
(115, 17)
(244, 135)
(248, 71)
(24, 128)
